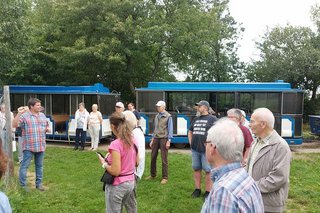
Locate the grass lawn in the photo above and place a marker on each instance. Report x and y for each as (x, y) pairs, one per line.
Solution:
(72, 180)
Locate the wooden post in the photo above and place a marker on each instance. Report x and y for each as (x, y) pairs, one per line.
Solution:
(8, 142)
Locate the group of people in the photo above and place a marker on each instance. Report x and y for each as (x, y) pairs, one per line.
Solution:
(242, 174)
(85, 121)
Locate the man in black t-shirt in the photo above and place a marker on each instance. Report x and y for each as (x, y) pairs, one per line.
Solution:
(197, 136)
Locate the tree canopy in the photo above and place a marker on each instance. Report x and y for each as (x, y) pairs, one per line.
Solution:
(126, 43)
(123, 43)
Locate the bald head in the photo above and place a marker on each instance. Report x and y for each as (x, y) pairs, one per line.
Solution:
(265, 115)
(262, 122)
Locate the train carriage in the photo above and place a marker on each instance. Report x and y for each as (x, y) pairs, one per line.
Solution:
(61, 102)
(285, 102)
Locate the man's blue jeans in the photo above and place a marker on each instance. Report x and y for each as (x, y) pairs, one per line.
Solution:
(38, 160)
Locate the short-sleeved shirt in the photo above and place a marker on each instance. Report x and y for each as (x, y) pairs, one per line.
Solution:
(247, 137)
(33, 128)
(199, 128)
(128, 160)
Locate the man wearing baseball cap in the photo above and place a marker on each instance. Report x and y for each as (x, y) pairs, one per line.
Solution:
(197, 136)
(119, 107)
(162, 135)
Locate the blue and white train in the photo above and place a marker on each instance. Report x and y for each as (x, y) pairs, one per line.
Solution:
(285, 102)
(61, 102)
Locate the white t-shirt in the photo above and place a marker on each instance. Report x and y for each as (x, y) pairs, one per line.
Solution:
(141, 142)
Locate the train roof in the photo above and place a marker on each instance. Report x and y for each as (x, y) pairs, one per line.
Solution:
(97, 88)
(278, 86)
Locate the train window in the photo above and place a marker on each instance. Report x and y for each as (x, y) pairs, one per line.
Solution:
(183, 102)
(60, 104)
(251, 101)
(89, 100)
(106, 104)
(225, 101)
(270, 100)
(148, 100)
(290, 101)
(245, 102)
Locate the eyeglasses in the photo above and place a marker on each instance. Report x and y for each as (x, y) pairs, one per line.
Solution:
(207, 142)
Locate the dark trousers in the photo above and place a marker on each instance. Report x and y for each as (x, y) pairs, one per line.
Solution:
(80, 134)
(159, 143)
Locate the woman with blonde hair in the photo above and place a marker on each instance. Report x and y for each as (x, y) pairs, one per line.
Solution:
(121, 163)
(95, 120)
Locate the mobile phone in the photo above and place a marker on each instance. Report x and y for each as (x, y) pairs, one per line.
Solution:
(99, 153)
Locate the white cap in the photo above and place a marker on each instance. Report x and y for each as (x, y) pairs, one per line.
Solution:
(243, 113)
(161, 103)
(120, 105)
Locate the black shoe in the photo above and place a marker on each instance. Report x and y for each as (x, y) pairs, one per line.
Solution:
(75, 148)
(81, 149)
(206, 194)
(196, 193)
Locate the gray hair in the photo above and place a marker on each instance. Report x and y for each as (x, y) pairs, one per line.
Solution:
(130, 118)
(264, 114)
(228, 138)
(236, 112)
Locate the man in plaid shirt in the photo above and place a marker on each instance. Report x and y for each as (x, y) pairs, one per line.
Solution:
(34, 126)
(233, 189)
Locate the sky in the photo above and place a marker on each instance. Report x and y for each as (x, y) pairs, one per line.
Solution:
(257, 15)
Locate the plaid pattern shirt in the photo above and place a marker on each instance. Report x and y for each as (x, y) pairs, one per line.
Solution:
(233, 191)
(34, 128)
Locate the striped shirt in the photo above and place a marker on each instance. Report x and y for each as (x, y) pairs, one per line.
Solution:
(34, 128)
(233, 191)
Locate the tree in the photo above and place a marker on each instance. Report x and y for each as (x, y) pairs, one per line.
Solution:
(127, 43)
(13, 36)
(215, 58)
(291, 54)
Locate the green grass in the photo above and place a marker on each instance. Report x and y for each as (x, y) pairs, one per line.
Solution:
(304, 195)
(73, 184)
